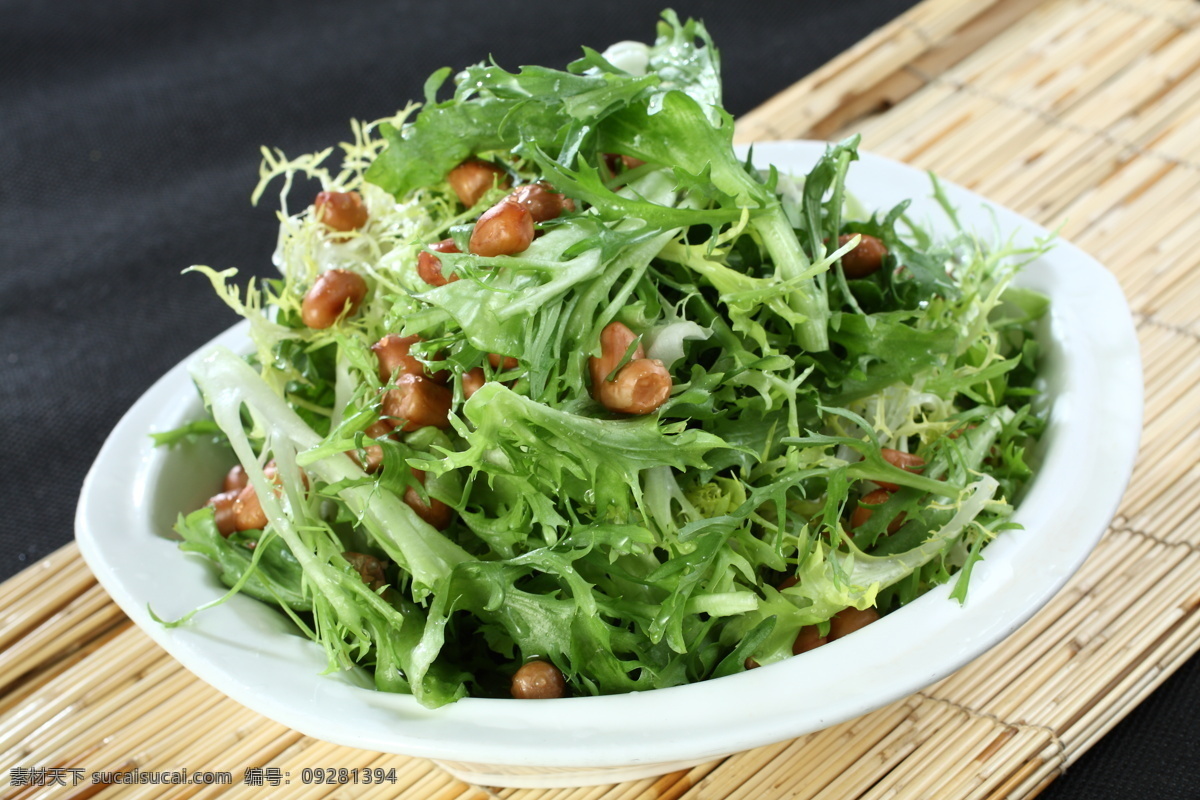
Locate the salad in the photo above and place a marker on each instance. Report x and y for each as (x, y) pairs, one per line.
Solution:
(556, 395)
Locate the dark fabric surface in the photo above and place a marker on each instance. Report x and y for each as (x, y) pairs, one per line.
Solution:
(129, 136)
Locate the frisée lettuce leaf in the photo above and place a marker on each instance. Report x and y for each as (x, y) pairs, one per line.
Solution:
(834, 437)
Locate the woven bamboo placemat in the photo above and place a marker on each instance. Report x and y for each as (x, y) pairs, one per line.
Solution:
(1084, 113)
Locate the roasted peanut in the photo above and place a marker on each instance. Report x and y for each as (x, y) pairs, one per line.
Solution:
(429, 266)
(393, 357)
(611, 160)
(809, 638)
(222, 506)
(417, 402)
(376, 430)
(641, 386)
(538, 680)
(615, 339)
(866, 257)
(473, 177)
(472, 381)
(505, 229)
(342, 211)
(248, 512)
(861, 514)
(898, 458)
(392, 353)
(542, 201)
(435, 512)
(502, 363)
(848, 620)
(372, 571)
(335, 292)
(235, 479)
(271, 470)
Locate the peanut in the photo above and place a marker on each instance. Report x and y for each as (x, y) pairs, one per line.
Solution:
(341, 211)
(866, 257)
(472, 178)
(435, 512)
(505, 229)
(898, 458)
(235, 479)
(417, 402)
(472, 381)
(429, 266)
(247, 509)
(542, 201)
(538, 680)
(369, 568)
(809, 638)
(335, 292)
(222, 506)
(374, 452)
(614, 341)
(248, 512)
(862, 514)
(640, 387)
(849, 620)
(502, 363)
(392, 353)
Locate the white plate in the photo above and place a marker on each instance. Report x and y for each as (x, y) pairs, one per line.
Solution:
(248, 651)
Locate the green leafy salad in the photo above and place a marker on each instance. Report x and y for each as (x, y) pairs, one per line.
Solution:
(558, 395)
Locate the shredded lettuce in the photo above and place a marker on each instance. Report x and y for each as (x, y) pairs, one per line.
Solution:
(631, 551)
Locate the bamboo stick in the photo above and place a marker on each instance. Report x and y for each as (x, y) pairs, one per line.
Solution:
(860, 758)
(120, 729)
(1096, 49)
(947, 744)
(777, 765)
(50, 742)
(261, 743)
(871, 766)
(1131, 651)
(1051, 628)
(30, 605)
(737, 768)
(1181, 517)
(1185, 646)
(1156, 75)
(232, 731)
(175, 746)
(108, 670)
(1101, 661)
(1008, 760)
(65, 558)
(1020, 702)
(67, 630)
(1037, 771)
(22, 694)
(954, 753)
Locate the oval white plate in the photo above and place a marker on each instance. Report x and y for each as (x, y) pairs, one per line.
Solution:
(248, 651)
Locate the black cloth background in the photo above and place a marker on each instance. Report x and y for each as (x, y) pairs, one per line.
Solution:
(129, 136)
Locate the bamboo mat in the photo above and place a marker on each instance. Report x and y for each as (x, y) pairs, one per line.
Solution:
(1080, 112)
